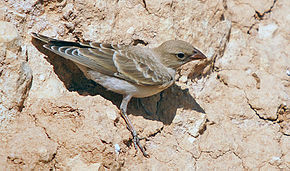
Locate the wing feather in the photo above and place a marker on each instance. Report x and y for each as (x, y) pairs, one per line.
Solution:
(143, 70)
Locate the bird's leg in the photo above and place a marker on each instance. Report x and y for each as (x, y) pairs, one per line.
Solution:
(139, 101)
(159, 103)
(136, 139)
(144, 107)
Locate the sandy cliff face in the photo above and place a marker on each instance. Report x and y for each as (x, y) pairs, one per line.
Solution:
(230, 112)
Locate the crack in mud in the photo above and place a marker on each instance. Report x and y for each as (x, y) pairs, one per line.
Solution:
(255, 110)
(156, 133)
(222, 48)
(260, 16)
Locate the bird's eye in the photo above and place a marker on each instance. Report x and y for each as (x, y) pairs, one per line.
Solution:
(180, 55)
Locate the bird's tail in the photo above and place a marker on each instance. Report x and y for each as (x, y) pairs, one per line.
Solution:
(42, 38)
(48, 40)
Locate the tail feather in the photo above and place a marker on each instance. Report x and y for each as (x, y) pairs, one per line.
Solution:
(48, 40)
(42, 38)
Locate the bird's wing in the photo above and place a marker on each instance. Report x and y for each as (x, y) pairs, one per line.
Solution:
(141, 68)
(112, 60)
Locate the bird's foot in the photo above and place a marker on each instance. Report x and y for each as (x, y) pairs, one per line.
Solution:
(136, 141)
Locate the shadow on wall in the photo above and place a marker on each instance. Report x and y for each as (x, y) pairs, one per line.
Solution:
(74, 80)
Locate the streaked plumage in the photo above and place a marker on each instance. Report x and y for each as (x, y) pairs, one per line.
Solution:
(129, 70)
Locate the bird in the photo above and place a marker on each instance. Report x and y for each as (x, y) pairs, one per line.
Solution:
(132, 71)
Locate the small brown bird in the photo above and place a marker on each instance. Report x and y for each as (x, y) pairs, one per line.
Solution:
(132, 71)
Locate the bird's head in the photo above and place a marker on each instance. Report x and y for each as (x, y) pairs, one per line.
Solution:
(174, 53)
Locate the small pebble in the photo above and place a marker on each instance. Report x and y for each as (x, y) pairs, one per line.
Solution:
(183, 78)
(117, 148)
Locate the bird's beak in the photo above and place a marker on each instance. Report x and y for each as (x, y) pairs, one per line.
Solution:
(198, 55)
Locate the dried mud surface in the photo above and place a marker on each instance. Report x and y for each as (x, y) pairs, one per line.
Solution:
(230, 112)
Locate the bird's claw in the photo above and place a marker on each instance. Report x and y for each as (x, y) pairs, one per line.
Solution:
(136, 141)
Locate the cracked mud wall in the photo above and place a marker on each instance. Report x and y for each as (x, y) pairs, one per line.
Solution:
(230, 112)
